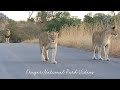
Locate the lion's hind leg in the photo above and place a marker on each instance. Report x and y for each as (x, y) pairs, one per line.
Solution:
(5, 40)
(94, 57)
(99, 53)
(107, 52)
(8, 40)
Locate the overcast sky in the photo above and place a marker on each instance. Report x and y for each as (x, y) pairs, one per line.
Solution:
(23, 15)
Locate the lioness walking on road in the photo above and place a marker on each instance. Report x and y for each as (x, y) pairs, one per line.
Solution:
(48, 40)
(101, 40)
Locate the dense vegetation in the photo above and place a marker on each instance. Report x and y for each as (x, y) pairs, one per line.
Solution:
(51, 20)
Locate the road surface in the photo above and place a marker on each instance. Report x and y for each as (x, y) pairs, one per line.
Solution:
(22, 61)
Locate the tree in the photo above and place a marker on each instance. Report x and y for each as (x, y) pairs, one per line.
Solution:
(88, 19)
(30, 14)
(60, 19)
(43, 17)
(30, 20)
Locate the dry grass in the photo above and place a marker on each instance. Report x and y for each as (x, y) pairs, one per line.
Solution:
(31, 41)
(81, 37)
(76, 36)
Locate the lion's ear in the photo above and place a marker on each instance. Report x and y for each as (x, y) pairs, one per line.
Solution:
(113, 27)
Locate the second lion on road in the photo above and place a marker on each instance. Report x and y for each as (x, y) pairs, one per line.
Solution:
(101, 40)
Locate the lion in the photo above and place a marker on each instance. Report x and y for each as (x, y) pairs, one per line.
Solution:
(101, 40)
(7, 35)
(48, 40)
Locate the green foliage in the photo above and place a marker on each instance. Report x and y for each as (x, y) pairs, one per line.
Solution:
(99, 18)
(88, 19)
(1, 37)
(60, 19)
(20, 31)
(51, 20)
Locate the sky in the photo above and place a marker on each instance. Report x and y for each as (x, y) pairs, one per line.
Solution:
(23, 15)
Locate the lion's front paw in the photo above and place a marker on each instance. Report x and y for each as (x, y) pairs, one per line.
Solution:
(94, 58)
(54, 62)
(46, 59)
(100, 58)
(108, 59)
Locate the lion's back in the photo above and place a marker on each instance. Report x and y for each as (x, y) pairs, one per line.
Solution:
(97, 38)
